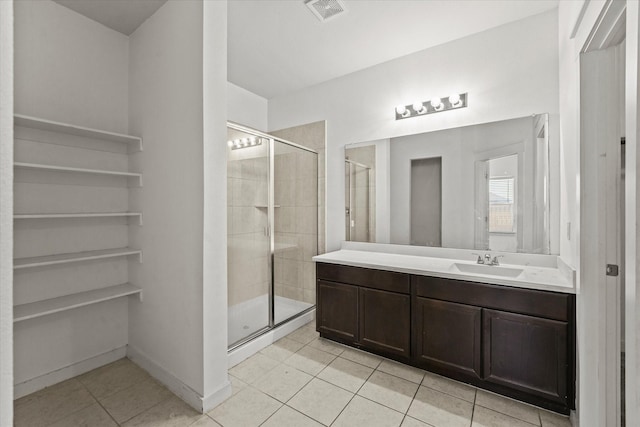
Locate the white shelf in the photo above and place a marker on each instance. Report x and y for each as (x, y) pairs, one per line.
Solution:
(78, 215)
(48, 125)
(38, 166)
(55, 305)
(19, 263)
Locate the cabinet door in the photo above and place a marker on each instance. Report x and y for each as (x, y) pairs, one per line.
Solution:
(385, 322)
(337, 311)
(526, 353)
(447, 337)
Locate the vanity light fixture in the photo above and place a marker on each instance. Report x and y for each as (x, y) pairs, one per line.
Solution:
(435, 105)
(402, 111)
(252, 141)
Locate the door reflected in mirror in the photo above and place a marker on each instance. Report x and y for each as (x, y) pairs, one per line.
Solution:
(484, 187)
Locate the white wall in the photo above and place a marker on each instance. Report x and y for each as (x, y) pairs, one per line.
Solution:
(214, 292)
(179, 55)
(166, 109)
(69, 68)
(383, 183)
(632, 266)
(576, 23)
(360, 106)
(246, 108)
(6, 213)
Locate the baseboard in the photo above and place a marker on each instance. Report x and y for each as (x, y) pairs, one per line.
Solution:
(70, 371)
(214, 399)
(176, 386)
(241, 353)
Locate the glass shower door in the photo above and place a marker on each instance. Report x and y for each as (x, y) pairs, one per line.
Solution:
(248, 244)
(357, 202)
(296, 229)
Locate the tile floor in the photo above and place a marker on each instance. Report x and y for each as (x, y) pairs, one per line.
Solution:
(299, 381)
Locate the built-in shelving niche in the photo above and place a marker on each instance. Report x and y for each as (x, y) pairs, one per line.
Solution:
(71, 202)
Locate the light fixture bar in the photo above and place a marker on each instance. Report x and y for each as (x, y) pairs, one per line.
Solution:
(435, 105)
(236, 144)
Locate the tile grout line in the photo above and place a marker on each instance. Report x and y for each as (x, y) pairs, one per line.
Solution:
(473, 408)
(74, 412)
(406, 414)
(296, 393)
(538, 409)
(420, 384)
(356, 392)
(99, 403)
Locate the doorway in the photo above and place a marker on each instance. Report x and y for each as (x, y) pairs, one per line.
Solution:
(601, 307)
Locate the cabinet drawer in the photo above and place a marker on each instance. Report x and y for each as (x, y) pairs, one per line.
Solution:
(367, 277)
(549, 305)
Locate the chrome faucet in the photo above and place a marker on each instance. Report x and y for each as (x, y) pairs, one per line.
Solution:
(480, 260)
(487, 260)
(495, 261)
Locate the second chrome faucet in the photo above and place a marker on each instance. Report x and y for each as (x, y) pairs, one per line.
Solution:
(487, 260)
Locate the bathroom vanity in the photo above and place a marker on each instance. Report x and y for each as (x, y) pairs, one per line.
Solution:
(508, 329)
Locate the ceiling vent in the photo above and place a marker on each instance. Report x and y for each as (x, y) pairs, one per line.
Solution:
(325, 9)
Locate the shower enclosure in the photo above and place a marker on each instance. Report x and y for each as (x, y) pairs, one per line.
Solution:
(272, 211)
(359, 198)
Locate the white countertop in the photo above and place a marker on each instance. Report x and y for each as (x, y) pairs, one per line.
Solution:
(532, 277)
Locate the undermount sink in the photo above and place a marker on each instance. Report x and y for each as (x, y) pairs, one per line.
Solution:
(491, 270)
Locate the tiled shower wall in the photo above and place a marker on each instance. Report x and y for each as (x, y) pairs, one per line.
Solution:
(296, 238)
(294, 269)
(248, 244)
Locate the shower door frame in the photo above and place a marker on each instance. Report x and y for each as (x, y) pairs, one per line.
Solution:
(271, 230)
(349, 209)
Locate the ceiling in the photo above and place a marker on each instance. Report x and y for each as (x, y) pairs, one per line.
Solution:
(278, 46)
(121, 15)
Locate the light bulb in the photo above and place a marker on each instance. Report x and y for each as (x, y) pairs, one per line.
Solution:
(401, 110)
(436, 103)
(230, 143)
(454, 100)
(418, 107)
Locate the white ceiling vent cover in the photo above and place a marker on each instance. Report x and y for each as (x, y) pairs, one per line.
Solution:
(325, 9)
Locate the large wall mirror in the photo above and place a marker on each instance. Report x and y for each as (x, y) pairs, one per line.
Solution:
(484, 187)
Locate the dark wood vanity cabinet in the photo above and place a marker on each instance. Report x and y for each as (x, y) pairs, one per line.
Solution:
(369, 309)
(385, 322)
(514, 341)
(526, 353)
(447, 337)
(337, 312)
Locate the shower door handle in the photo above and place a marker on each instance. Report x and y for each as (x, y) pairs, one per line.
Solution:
(267, 231)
